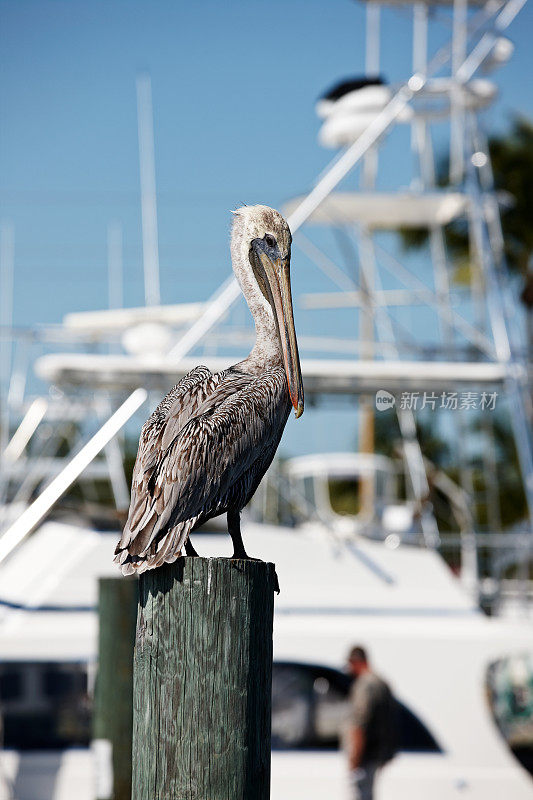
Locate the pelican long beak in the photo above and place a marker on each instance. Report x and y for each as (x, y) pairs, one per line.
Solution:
(279, 281)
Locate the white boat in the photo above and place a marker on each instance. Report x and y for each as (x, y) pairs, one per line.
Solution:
(424, 635)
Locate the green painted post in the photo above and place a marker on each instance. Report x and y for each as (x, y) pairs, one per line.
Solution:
(113, 719)
(202, 681)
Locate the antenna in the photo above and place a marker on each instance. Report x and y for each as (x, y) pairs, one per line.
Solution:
(7, 260)
(114, 265)
(145, 124)
(372, 55)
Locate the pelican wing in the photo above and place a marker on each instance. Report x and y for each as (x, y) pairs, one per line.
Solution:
(171, 414)
(196, 448)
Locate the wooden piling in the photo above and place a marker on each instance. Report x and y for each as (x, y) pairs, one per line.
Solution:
(113, 719)
(202, 681)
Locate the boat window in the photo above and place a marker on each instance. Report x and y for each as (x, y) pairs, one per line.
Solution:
(344, 496)
(510, 696)
(413, 735)
(59, 681)
(47, 706)
(10, 684)
(44, 706)
(291, 703)
(330, 707)
(310, 706)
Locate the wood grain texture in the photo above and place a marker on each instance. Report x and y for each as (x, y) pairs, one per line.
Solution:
(202, 681)
(113, 719)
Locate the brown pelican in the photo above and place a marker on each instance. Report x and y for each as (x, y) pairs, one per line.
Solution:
(207, 445)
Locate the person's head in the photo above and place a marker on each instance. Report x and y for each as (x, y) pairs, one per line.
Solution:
(357, 661)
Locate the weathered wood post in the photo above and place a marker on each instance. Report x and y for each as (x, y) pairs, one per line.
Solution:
(113, 719)
(202, 681)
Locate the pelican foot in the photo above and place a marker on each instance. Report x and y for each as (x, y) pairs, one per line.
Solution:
(241, 555)
(245, 557)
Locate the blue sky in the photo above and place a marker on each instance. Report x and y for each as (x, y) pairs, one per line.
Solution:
(234, 86)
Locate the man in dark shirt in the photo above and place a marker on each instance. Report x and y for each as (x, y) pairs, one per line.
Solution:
(371, 725)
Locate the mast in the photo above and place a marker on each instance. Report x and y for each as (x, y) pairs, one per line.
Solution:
(148, 191)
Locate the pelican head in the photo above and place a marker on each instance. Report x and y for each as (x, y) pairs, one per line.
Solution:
(261, 249)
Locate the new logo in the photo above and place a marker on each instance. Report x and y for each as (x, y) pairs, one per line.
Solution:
(384, 400)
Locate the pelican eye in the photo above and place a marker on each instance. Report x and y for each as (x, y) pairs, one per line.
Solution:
(269, 240)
